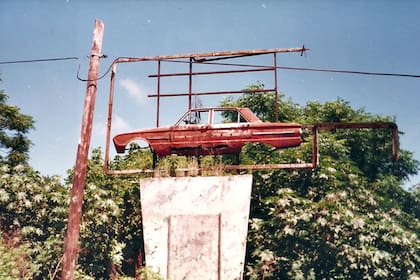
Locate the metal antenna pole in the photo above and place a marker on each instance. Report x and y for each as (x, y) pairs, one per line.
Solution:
(71, 243)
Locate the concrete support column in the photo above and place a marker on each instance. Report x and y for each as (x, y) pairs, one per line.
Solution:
(196, 227)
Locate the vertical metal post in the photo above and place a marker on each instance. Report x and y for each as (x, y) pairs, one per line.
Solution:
(71, 244)
(395, 143)
(276, 112)
(219, 248)
(109, 122)
(158, 96)
(315, 155)
(190, 85)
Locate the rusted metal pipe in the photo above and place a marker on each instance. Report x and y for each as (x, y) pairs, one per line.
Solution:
(315, 151)
(190, 85)
(158, 96)
(212, 93)
(355, 125)
(211, 54)
(363, 125)
(212, 72)
(276, 92)
(109, 120)
(217, 168)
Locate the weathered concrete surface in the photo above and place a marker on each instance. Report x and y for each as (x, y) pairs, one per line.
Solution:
(194, 240)
(196, 227)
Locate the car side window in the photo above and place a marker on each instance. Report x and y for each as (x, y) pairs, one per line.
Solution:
(227, 116)
(221, 116)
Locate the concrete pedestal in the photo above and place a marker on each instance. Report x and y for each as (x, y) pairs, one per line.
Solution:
(196, 227)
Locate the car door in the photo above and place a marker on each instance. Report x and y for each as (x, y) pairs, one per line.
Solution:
(191, 131)
(230, 129)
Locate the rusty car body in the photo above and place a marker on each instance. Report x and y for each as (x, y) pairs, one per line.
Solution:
(213, 131)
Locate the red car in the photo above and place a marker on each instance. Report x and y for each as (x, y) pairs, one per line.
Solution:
(213, 131)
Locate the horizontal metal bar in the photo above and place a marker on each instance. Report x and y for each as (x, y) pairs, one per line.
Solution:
(212, 72)
(211, 54)
(128, 171)
(209, 93)
(350, 125)
(269, 166)
(214, 168)
(363, 125)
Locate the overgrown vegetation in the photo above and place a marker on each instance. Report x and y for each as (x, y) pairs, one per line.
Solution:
(349, 219)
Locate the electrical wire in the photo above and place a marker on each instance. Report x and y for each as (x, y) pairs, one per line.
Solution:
(39, 60)
(212, 63)
(101, 76)
(349, 72)
(303, 69)
(62, 59)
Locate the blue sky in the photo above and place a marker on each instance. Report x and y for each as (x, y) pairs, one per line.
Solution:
(374, 36)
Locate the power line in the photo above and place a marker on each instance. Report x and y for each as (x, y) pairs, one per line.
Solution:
(349, 72)
(215, 63)
(305, 69)
(60, 59)
(40, 60)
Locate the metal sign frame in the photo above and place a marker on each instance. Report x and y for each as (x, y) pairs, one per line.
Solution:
(208, 58)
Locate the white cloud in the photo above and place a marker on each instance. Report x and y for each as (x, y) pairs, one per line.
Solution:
(134, 90)
(99, 129)
(118, 125)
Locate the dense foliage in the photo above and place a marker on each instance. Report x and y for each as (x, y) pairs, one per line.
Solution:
(348, 219)
(33, 218)
(14, 144)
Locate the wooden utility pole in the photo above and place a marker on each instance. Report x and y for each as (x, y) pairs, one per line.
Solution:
(71, 243)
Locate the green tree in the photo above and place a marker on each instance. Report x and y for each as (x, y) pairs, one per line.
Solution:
(263, 104)
(33, 208)
(33, 214)
(111, 231)
(348, 219)
(14, 260)
(14, 126)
